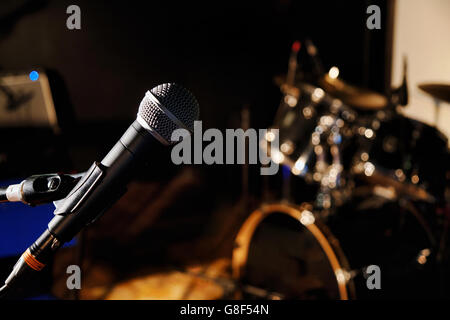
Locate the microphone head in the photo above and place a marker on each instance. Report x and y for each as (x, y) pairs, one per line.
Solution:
(168, 107)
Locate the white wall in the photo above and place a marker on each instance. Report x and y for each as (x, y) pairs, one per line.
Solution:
(422, 33)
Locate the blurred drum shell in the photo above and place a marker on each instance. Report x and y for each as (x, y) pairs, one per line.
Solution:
(283, 250)
(407, 151)
(309, 118)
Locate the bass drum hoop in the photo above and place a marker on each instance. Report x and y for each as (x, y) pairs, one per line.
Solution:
(328, 243)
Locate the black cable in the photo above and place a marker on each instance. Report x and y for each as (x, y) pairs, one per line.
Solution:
(3, 197)
(3, 291)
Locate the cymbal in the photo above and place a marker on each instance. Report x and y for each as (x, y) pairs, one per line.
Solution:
(437, 91)
(360, 98)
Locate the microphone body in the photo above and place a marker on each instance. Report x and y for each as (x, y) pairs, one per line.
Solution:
(163, 109)
(102, 184)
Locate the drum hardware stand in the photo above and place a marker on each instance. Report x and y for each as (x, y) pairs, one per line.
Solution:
(399, 96)
(288, 87)
(442, 248)
(311, 49)
(245, 124)
(286, 192)
(265, 187)
(231, 287)
(242, 207)
(437, 109)
(293, 64)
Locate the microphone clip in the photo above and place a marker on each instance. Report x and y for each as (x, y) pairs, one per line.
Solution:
(40, 189)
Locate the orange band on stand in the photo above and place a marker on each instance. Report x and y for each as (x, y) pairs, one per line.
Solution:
(31, 261)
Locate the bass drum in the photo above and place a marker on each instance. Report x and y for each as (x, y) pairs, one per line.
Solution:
(395, 236)
(285, 251)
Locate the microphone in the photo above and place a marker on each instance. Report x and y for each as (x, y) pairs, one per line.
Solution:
(164, 109)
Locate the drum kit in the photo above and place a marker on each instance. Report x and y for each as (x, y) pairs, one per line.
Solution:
(363, 212)
(366, 186)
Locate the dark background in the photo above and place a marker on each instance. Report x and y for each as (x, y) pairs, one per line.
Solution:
(226, 52)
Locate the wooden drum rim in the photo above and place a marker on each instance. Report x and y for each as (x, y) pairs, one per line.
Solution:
(245, 235)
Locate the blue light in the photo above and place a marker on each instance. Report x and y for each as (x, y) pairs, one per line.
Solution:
(337, 139)
(34, 75)
(20, 225)
(286, 171)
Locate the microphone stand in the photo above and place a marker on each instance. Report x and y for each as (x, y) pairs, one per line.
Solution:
(40, 189)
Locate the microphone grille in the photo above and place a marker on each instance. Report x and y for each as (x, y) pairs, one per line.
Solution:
(168, 107)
